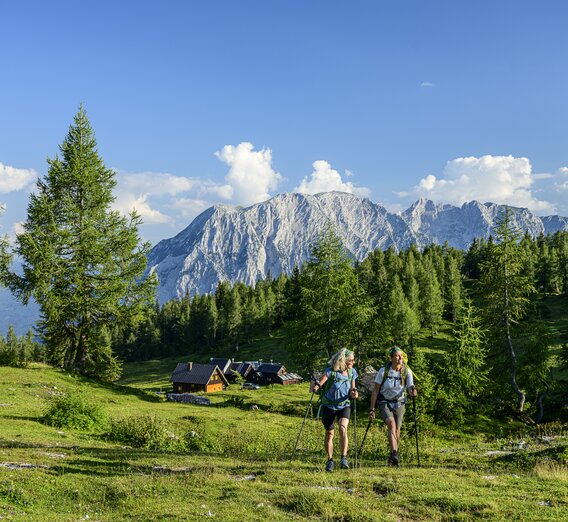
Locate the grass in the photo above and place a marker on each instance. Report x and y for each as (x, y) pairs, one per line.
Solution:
(247, 470)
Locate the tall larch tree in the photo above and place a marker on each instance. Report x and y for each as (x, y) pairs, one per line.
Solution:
(82, 262)
(506, 290)
(334, 308)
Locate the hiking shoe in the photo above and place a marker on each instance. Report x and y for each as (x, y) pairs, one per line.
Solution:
(393, 458)
(330, 465)
(343, 463)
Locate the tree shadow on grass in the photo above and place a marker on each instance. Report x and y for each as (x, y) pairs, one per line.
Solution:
(16, 444)
(22, 418)
(141, 394)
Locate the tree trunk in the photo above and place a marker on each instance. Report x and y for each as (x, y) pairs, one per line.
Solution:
(518, 391)
(513, 355)
(539, 401)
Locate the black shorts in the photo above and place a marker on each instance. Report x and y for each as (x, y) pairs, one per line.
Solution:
(328, 416)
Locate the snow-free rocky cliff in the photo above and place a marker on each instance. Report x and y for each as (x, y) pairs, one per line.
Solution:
(227, 243)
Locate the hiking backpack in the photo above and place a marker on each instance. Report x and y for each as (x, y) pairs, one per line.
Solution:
(403, 374)
(327, 385)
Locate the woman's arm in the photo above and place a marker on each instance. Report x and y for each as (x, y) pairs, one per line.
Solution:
(410, 388)
(374, 396)
(353, 393)
(319, 384)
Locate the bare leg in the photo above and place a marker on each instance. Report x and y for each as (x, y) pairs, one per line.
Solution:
(393, 433)
(329, 443)
(343, 438)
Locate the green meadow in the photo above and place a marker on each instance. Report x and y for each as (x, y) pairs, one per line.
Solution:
(230, 461)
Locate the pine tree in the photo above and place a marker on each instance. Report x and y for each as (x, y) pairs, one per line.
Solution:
(82, 262)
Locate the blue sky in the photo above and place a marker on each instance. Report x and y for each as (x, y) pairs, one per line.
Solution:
(202, 102)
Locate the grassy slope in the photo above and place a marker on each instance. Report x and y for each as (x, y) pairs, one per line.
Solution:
(252, 475)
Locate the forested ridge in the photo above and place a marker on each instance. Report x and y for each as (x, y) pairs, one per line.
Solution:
(393, 298)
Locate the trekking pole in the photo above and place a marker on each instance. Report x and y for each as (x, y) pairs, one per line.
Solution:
(306, 415)
(415, 428)
(355, 429)
(364, 437)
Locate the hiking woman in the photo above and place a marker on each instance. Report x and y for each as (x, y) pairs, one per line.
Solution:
(337, 387)
(391, 390)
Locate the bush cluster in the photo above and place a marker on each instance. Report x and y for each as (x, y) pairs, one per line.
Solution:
(75, 412)
(145, 431)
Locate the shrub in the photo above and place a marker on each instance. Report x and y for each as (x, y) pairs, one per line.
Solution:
(236, 402)
(75, 412)
(145, 431)
(200, 441)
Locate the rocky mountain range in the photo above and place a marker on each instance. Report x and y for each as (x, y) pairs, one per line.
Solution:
(245, 244)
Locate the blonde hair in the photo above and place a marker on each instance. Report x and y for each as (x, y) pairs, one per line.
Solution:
(338, 361)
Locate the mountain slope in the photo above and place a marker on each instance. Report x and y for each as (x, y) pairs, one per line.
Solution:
(245, 244)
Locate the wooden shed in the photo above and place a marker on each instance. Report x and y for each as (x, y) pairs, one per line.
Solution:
(194, 377)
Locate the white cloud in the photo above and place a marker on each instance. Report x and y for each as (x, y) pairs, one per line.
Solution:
(542, 175)
(427, 84)
(135, 191)
(127, 202)
(206, 188)
(326, 179)
(154, 183)
(18, 228)
(498, 179)
(12, 179)
(190, 208)
(250, 175)
(562, 186)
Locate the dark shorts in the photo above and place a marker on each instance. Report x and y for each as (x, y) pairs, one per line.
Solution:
(328, 416)
(396, 413)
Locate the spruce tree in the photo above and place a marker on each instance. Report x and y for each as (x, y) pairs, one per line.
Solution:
(82, 262)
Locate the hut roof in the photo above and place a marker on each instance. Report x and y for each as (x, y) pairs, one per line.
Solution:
(195, 373)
